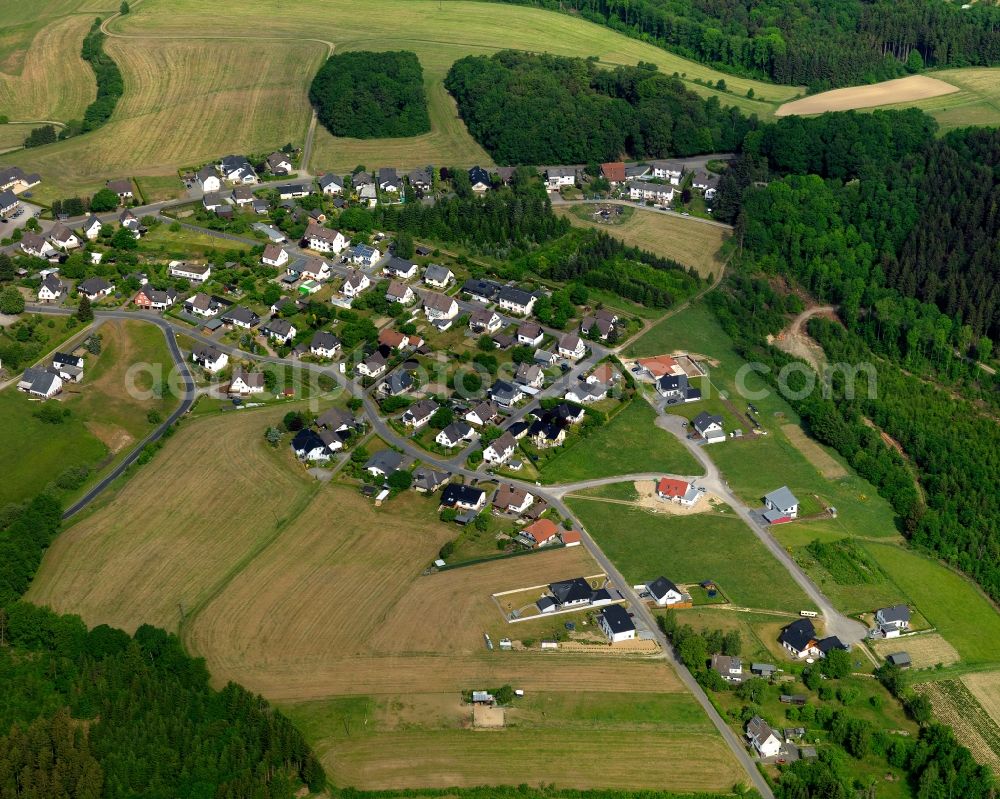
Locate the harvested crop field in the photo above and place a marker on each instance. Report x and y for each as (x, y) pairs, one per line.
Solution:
(689, 241)
(170, 537)
(985, 686)
(890, 92)
(926, 650)
(956, 706)
(825, 463)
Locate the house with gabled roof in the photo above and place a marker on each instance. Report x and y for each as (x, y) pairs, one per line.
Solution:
(895, 618)
(613, 172)
(322, 239)
(482, 414)
(665, 593)
(52, 289)
(420, 178)
(237, 169)
(782, 506)
(439, 306)
(511, 499)
(463, 497)
(44, 383)
(616, 624)
(210, 359)
(668, 170)
(372, 366)
(279, 163)
(400, 268)
(208, 179)
(33, 244)
(238, 316)
(355, 282)
(331, 184)
(419, 414)
(530, 334)
(603, 320)
(556, 177)
(388, 180)
(516, 301)
(279, 330)
(762, 738)
(458, 432)
(729, 667)
(438, 276)
(399, 292)
(485, 321)
(500, 450)
(93, 288)
(92, 227)
(324, 344)
(274, 255)
(571, 346)
(384, 462)
(540, 533)
(709, 427)
(657, 192)
(679, 492)
(244, 382)
(309, 446)
(123, 188)
(479, 179)
(64, 238)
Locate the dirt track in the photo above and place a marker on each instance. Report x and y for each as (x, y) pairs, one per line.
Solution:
(901, 90)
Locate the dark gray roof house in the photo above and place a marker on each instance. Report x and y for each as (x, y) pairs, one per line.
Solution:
(571, 591)
(456, 493)
(384, 462)
(798, 635)
(660, 587)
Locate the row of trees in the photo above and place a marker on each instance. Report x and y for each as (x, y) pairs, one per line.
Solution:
(542, 109)
(837, 44)
(371, 95)
(110, 85)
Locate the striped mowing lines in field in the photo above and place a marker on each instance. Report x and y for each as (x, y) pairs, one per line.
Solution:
(53, 82)
(955, 705)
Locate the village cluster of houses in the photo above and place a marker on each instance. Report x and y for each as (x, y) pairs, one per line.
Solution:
(331, 432)
(14, 181)
(44, 382)
(656, 182)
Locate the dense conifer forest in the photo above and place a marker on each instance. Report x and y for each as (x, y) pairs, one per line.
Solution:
(818, 45)
(541, 109)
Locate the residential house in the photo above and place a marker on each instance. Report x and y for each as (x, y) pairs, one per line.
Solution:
(196, 273)
(274, 255)
(309, 446)
(123, 188)
(279, 330)
(529, 374)
(540, 533)
(336, 420)
(603, 320)
(482, 414)
(438, 276)
(310, 269)
(210, 359)
(293, 191)
(61, 359)
(568, 414)
(584, 393)
(52, 289)
(154, 299)
(260, 207)
(668, 170)
(279, 164)
(331, 184)
(637, 172)
(91, 228)
(613, 172)
(506, 394)
(364, 255)
(706, 183)
(244, 382)
(237, 169)
(355, 282)
(616, 624)
(400, 268)
(213, 201)
(570, 593)
(324, 345)
(677, 388)
(530, 334)
(130, 221)
(14, 178)
(484, 291)
(603, 373)
(454, 434)
(571, 346)
(657, 192)
(664, 593)
(485, 321)
(64, 238)
(762, 738)
(384, 462)
(40, 383)
(479, 179)
(419, 414)
(33, 244)
(660, 365)
(558, 176)
(208, 179)
(68, 367)
(389, 181)
(323, 239)
(799, 638)
(709, 427)
(509, 499)
(516, 301)
(782, 506)
(372, 366)
(399, 292)
(368, 195)
(500, 450)
(398, 341)
(728, 667)
(427, 481)
(547, 431)
(463, 497)
(439, 306)
(420, 179)
(238, 316)
(360, 180)
(678, 491)
(892, 621)
(93, 288)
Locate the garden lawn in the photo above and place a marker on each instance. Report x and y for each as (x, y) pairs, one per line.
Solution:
(629, 444)
(690, 549)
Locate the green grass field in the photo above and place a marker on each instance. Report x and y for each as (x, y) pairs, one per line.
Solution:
(630, 443)
(689, 549)
(12, 135)
(163, 242)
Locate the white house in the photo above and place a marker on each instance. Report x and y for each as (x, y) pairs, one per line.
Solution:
(516, 301)
(571, 346)
(279, 163)
(400, 268)
(893, 620)
(8, 203)
(679, 492)
(454, 434)
(664, 592)
(479, 178)
(485, 321)
(482, 414)
(92, 228)
(94, 288)
(781, 504)
(237, 169)
(324, 345)
(438, 276)
(509, 499)
(709, 427)
(463, 497)
(244, 382)
(311, 269)
(667, 170)
(616, 624)
(241, 317)
(439, 306)
(210, 359)
(657, 192)
(331, 184)
(51, 290)
(585, 393)
(355, 282)
(279, 330)
(208, 179)
(323, 239)
(33, 244)
(399, 292)
(558, 176)
(364, 255)
(500, 450)
(201, 304)
(196, 273)
(530, 334)
(40, 383)
(274, 255)
(419, 414)
(64, 238)
(762, 737)
(373, 366)
(309, 446)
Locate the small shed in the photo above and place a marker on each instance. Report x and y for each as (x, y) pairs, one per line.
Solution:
(900, 659)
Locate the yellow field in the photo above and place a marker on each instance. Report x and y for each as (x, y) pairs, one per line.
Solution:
(925, 650)
(890, 92)
(176, 529)
(207, 82)
(688, 241)
(955, 705)
(53, 82)
(985, 687)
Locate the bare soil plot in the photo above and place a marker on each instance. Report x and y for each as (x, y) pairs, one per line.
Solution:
(174, 532)
(926, 650)
(890, 92)
(486, 717)
(956, 706)
(686, 240)
(825, 463)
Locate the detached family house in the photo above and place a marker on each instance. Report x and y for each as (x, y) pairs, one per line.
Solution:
(438, 276)
(355, 282)
(762, 738)
(208, 179)
(94, 288)
(64, 238)
(323, 239)
(516, 301)
(782, 506)
(210, 359)
(709, 427)
(52, 289)
(572, 347)
(540, 533)
(279, 164)
(509, 499)
(279, 330)
(665, 593)
(194, 272)
(324, 345)
(154, 299)
(799, 638)
(454, 434)
(678, 491)
(463, 497)
(500, 450)
(331, 184)
(616, 624)
(237, 169)
(676, 388)
(33, 244)
(891, 622)
(274, 255)
(244, 382)
(40, 383)
(439, 306)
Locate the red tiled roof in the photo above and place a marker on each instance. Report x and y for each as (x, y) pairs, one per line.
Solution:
(542, 530)
(614, 171)
(671, 488)
(571, 537)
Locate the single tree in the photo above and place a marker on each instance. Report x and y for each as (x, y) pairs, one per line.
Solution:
(104, 200)
(85, 313)
(124, 7)
(11, 301)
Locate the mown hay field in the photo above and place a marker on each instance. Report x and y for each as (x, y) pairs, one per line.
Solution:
(890, 92)
(691, 242)
(51, 81)
(925, 650)
(13, 134)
